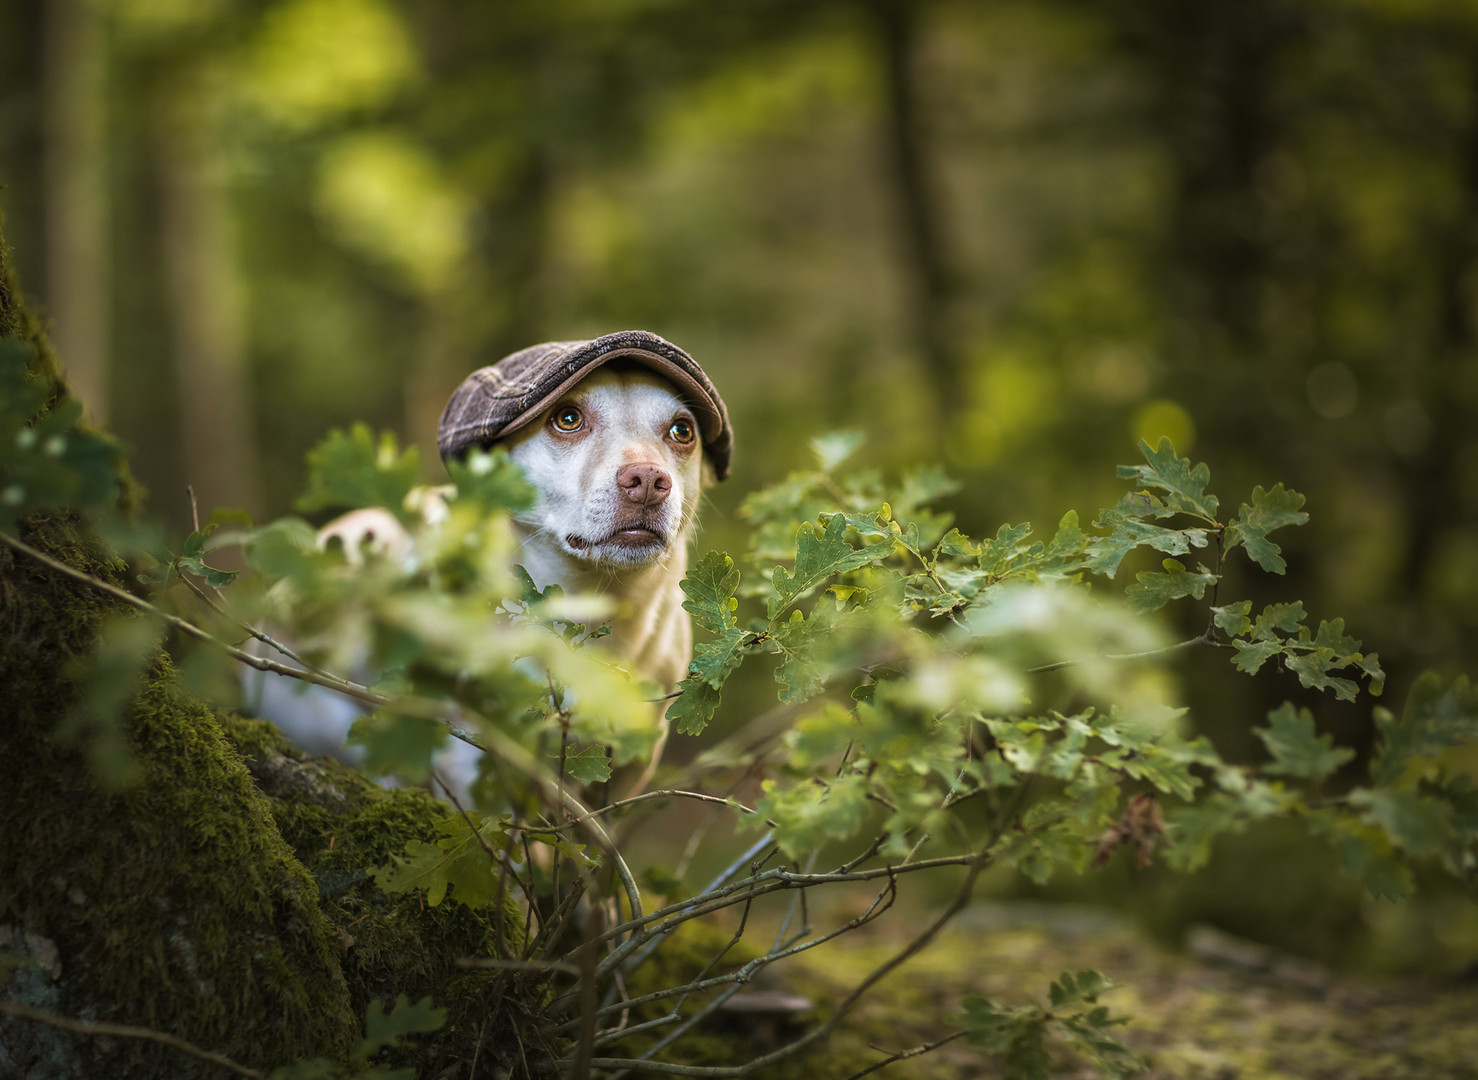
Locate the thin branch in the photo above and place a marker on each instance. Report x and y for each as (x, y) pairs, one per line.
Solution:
(125, 1031)
(501, 743)
(745, 890)
(343, 686)
(264, 638)
(750, 968)
(976, 863)
(476, 963)
(646, 796)
(903, 1055)
(1199, 639)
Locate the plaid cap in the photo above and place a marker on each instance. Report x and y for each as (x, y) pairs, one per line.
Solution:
(496, 401)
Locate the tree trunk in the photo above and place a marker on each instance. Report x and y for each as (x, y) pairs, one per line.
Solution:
(206, 303)
(223, 896)
(77, 217)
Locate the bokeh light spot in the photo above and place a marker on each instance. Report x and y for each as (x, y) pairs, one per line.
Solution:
(1333, 391)
(1163, 418)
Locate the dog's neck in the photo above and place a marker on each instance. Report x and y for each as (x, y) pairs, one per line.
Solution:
(650, 631)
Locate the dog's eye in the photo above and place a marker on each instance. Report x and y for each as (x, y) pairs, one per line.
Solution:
(567, 418)
(681, 431)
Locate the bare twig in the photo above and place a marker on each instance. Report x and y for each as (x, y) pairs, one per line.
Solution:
(1199, 639)
(976, 863)
(103, 1028)
(343, 686)
(903, 1055)
(646, 796)
(477, 963)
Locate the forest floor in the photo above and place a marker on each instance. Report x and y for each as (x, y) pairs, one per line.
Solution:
(1223, 1009)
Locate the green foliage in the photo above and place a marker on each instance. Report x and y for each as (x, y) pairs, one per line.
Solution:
(1269, 510)
(458, 862)
(1184, 485)
(491, 480)
(1436, 718)
(1152, 590)
(381, 1030)
(48, 460)
(352, 468)
(588, 765)
(1296, 750)
(1074, 1016)
(912, 652)
(397, 745)
(1280, 632)
(190, 560)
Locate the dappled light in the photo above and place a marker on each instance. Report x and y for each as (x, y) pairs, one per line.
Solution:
(1094, 589)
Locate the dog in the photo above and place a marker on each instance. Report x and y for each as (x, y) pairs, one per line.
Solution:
(619, 436)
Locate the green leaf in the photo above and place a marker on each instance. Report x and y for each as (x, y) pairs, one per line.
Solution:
(1313, 670)
(1040, 851)
(1436, 717)
(819, 558)
(835, 447)
(1296, 749)
(48, 460)
(1193, 828)
(920, 485)
(710, 588)
(1269, 510)
(492, 480)
(588, 765)
(1415, 822)
(1368, 852)
(1184, 486)
(458, 862)
(714, 661)
(956, 543)
(812, 813)
(382, 1029)
(1288, 618)
(1026, 1056)
(986, 1023)
(397, 745)
(215, 578)
(1127, 533)
(1153, 590)
(998, 553)
(800, 675)
(1232, 619)
(693, 709)
(352, 469)
(1070, 988)
(1252, 655)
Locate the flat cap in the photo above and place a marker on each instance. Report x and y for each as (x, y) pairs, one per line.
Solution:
(498, 400)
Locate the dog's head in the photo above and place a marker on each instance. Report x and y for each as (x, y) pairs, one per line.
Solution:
(618, 465)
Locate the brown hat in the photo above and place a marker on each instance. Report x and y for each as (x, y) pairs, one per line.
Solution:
(496, 401)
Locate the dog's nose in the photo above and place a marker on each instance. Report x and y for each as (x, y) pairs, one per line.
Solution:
(644, 483)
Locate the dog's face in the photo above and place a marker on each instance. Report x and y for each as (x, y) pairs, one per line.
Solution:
(618, 465)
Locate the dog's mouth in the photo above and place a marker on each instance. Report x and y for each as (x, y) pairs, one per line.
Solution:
(627, 536)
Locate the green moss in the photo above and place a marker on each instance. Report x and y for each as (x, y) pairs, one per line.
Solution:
(174, 901)
(343, 827)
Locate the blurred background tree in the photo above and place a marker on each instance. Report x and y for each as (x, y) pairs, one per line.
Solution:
(1010, 237)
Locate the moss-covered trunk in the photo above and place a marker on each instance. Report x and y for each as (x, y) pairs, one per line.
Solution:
(186, 901)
